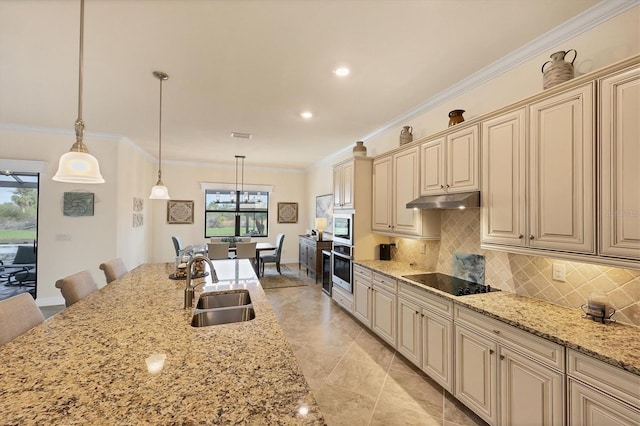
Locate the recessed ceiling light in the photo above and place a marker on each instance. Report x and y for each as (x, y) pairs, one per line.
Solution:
(241, 135)
(341, 72)
(306, 114)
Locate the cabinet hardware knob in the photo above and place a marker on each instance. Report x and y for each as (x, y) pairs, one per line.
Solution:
(417, 313)
(502, 357)
(490, 351)
(422, 315)
(496, 331)
(520, 236)
(447, 186)
(441, 186)
(531, 237)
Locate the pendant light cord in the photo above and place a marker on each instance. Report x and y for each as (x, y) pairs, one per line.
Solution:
(79, 145)
(160, 139)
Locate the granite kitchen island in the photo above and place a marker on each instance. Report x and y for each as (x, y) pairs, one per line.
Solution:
(86, 365)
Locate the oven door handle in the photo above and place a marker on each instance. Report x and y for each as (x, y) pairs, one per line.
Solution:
(340, 255)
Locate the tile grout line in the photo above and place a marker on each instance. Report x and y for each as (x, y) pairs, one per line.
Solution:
(384, 382)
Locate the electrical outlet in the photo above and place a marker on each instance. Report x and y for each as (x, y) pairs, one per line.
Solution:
(559, 272)
(63, 237)
(423, 248)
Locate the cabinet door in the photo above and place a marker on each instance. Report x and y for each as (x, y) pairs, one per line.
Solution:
(312, 259)
(462, 160)
(437, 348)
(561, 164)
(409, 330)
(362, 299)
(337, 186)
(590, 407)
(503, 179)
(530, 394)
(432, 170)
(383, 317)
(406, 189)
(476, 373)
(302, 253)
(347, 185)
(382, 194)
(619, 168)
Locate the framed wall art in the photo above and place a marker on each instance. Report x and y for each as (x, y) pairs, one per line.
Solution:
(324, 208)
(77, 204)
(287, 212)
(180, 211)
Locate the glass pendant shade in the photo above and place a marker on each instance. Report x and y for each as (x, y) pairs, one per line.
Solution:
(78, 167)
(159, 192)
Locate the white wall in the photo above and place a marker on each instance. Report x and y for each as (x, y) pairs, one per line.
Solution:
(183, 181)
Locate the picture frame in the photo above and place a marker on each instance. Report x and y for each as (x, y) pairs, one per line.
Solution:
(324, 208)
(78, 204)
(287, 212)
(180, 212)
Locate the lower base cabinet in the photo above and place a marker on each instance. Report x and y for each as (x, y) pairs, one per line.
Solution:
(383, 314)
(425, 333)
(508, 376)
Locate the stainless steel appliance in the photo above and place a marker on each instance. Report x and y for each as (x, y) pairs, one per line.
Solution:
(343, 228)
(449, 284)
(341, 267)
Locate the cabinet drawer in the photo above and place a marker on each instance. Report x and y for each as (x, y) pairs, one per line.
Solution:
(537, 348)
(612, 380)
(362, 271)
(385, 281)
(427, 300)
(342, 298)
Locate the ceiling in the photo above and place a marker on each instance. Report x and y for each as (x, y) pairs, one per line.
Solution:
(250, 66)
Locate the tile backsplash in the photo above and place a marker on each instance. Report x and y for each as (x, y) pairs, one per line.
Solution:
(521, 274)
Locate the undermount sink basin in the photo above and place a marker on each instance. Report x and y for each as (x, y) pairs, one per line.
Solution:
(223, 299)
(222, 316)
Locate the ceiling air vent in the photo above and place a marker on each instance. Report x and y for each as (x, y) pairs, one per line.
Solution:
(241, 135)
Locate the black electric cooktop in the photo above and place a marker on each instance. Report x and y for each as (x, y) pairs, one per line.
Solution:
(449, 284)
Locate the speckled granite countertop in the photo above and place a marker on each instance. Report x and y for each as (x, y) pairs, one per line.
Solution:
(614, 343)
(86, 365)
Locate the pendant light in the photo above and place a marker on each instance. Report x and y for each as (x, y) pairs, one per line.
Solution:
(159, 191)
(244, 197)
(77, 165)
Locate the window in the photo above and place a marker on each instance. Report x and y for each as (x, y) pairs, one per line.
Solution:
(236, 214)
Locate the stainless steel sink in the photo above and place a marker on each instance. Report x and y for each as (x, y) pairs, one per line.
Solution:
(222, 316)
(223, 299)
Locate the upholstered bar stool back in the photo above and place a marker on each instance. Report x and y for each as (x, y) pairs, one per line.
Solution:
(76, 287)
(18, 314)
(113, 269)
(218, 250)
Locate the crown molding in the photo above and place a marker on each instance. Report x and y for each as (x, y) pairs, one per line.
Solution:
(577, 25)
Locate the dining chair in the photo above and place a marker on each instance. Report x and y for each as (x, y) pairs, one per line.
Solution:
(218, 250)
(76, 287)
(113, 269)
(272, 257)
(216, 239)
(247, 251)
(18, 314)
(177, 244)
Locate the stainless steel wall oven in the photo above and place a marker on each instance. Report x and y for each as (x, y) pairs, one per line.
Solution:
(341, 267)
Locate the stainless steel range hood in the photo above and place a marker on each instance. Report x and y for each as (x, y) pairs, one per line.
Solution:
(463, 200)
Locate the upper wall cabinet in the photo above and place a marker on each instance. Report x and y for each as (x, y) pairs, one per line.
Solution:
(395, 183)
(450, 163)
(620, 164)
(543, 196)
(560, 171)
(343, 185)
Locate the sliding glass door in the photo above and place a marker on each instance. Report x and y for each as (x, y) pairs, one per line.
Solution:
(18, 233)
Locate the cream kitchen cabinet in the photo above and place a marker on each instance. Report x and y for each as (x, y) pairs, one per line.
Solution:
(362, 292)
(343, 185)
(425, 332)
(383, 307)
(495, 359)
(451, 163)
(601, 394)
(619, 152)
(542, 197)
(396, 183)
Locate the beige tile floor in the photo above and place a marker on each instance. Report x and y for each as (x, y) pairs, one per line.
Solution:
(356, 378)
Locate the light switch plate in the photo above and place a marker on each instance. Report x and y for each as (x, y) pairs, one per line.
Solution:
(559, 272)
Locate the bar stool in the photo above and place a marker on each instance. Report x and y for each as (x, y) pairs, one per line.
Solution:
(18, 314)
(76, 287)
(113, 269)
